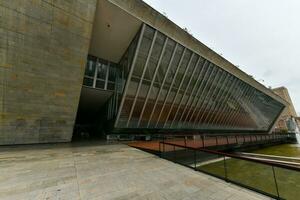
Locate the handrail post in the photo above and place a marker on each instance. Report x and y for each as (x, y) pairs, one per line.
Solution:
(225, 169)
(175, 154)
(236, 139)
(195, 159)
(275, 180)
(164, 144)
(159, 148)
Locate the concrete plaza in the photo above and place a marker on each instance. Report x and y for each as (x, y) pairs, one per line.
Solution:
(101, 171)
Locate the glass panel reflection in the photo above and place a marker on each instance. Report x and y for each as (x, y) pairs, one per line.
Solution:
(182, 90)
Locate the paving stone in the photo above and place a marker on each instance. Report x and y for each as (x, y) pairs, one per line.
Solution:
(101, 171)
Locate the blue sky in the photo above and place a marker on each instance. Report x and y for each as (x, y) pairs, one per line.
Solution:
(261, 37)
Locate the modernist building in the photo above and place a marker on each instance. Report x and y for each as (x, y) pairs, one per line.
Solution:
(116, 66)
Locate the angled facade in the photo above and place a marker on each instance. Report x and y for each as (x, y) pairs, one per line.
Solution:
(117, 66)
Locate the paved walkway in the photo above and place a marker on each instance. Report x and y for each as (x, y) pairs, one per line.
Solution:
(97, 171)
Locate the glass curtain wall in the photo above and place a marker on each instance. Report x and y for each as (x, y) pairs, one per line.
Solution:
(171, 87)
(100, 74)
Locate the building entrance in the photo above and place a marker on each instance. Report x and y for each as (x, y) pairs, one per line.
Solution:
(97, 99)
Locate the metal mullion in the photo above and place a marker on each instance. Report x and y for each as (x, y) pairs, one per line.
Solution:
(90, 62)
(188, 85)
(142, 77)
(118, 86)
(221, 93)
(106, 76)
(266, 121)
(235, 116)
(95, 73)
(108, 110)
(110, 106)
(231, 117)
(195, 99)
(179, 88)
(247, 88)
(170, 89)
(235, 95)
(273, 108)
(235, 82)
(197, 119)
(130, 73)
(152, 81)
(163, 82)
(217, 91)
(194, 87)
(231, 111)
(211, 94)
(204, 89)
(254, 98)
(251, 96)
(269, 108)
(268, 112)
(113, 104)
(217, 118)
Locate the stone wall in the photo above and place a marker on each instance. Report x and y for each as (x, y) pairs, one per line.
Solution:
(43, 50)
(284, 94)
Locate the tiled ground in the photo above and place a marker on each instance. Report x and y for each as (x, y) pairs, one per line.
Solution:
(97, 171)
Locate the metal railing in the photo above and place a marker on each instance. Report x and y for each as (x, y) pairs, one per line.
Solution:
(275, 180)
(212, 140)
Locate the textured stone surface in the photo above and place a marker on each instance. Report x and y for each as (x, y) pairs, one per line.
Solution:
(104, 172)
(43, 49)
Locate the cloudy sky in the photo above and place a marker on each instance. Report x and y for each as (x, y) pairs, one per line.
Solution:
(262, 37)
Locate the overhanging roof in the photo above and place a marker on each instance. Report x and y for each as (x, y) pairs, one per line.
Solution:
(113, 30)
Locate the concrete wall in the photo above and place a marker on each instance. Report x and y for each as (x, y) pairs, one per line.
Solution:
(43, 50)
(284, 93)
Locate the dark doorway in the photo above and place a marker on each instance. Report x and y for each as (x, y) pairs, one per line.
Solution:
(91, 114)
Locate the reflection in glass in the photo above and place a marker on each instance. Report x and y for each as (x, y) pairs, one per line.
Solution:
(173, 88)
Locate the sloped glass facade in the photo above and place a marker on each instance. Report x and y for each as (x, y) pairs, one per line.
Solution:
(170, 87)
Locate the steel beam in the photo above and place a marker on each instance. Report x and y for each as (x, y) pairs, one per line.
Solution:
(152, 81)
(194, 90)
(170, 89)
(163, 83)
(142, 77)
(179, 88)
(219, 95)
(130, 73)
(187, 87)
